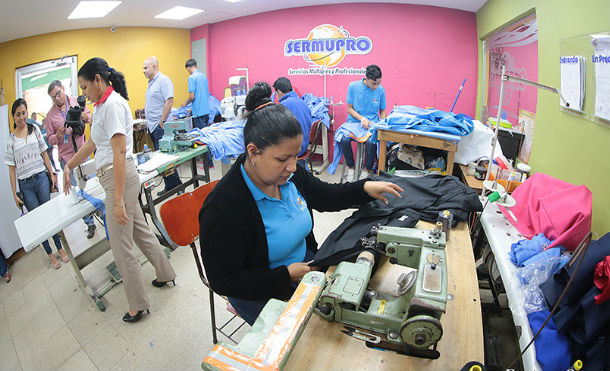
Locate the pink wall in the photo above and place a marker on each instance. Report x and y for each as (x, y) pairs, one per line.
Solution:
(424, 52)
(521, 61)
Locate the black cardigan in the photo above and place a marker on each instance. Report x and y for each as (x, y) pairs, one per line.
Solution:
(232, 234)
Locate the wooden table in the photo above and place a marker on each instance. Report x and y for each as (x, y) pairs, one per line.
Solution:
(385, 135)
(322, 346)
(470, 180)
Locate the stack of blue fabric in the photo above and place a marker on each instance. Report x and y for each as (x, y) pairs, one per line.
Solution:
(431, 120)
(224, 139)
(318, 108)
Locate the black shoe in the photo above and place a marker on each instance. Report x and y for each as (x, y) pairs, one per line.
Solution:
(161, 284)
(91, 231)
(161, 193)
(129, 318)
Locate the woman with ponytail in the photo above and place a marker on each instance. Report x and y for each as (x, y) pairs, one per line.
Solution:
(111, 137)
(27, 158)
(255, 227)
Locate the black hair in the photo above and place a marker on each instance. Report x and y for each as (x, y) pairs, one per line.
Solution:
(282, 84)
(268, 124)
(52, 86)
(98, 66)
(190, 63)
(19, 102)
(373, 72)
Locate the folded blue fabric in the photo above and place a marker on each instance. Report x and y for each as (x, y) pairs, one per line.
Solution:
(524, 249)
(552, 348)
(411, 117)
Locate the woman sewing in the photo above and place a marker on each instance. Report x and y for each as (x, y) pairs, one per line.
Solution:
(256, 225)
(111, 135)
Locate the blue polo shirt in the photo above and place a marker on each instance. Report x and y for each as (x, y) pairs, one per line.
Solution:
(299, 108)
(159, 89)
(287, 222)
(366, 102)
(198, 84)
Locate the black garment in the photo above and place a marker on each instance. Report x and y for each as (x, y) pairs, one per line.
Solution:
(586, 324)
(423, 198)
(232, 234)
(583, 281)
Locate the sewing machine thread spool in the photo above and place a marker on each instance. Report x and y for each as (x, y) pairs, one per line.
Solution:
(446, 218)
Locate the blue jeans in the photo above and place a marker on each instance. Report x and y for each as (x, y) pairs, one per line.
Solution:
(36, 191)
(3, 265)
(172, 180)
(89, 218)
(348, 154)
(200, 123)
(250, 309)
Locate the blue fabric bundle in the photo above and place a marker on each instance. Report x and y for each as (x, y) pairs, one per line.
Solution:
(552, 348)
(411, 117)
(524, 249)
(224, 139)
(318, 108)
(214, 108)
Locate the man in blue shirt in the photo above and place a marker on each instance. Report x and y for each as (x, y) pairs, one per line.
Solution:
(199, 95)
(365, 103)
(296, 105)
(157, 106)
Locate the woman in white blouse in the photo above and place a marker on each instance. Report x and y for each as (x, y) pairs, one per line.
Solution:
(112, 138)
(26, 157)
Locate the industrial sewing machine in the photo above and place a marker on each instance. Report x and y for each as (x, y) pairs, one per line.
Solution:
(232, 107)
(406, 321)
(176, 136)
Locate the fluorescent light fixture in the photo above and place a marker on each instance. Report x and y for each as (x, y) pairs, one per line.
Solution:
(179, 13)
(93, 9)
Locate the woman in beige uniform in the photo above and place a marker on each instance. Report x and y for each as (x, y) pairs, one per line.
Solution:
(111, 137)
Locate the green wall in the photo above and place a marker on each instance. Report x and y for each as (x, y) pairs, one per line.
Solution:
(564, 146)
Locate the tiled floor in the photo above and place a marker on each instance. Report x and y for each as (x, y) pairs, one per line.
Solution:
(47, 322)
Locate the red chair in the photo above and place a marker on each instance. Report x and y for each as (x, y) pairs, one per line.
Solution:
(314, 134)
(180, 217)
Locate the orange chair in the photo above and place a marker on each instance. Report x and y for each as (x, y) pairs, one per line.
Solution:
(314, 134)
(180, 217)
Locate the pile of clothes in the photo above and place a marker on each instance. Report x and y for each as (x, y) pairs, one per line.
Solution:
(423, 198)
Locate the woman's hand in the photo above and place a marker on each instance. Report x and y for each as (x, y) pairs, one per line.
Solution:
(53, 181)
(67, 184)
(120, 214)
(298, 270)
(376, 190)
(18, 201)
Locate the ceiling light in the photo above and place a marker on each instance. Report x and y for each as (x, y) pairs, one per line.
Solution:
(93, 9)
(179, 12)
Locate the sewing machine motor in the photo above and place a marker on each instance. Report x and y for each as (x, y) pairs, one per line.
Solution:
(408, 318)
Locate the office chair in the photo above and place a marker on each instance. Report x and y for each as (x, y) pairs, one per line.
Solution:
(180, 217)
(314, 134)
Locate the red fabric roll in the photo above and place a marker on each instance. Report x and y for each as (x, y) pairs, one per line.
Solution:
(601, 278)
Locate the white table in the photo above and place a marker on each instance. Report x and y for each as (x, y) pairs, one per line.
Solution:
(57, 214)
(501, 234)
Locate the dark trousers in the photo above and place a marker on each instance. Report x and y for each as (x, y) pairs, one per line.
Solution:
(201, 122)
(173, 180)
(348, 154)
(36, 191)
(250, 309)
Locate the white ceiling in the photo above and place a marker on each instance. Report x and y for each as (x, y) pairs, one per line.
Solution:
(23, 18)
